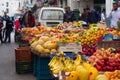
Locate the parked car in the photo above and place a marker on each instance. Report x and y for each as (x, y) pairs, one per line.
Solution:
(50, 16)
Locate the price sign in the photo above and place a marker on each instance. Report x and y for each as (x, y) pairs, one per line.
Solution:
(70, 47)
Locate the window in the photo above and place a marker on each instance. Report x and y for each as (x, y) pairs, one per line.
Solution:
(52, 15)
(7, 4)
(7, 10)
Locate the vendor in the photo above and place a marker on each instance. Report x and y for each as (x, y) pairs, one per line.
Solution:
(69, 16)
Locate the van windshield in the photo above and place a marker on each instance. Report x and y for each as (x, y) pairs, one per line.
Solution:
(52, 14)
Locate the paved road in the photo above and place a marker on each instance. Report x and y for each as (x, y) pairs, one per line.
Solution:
(7, 63)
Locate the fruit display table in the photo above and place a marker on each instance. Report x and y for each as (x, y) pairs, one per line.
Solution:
(88, 59)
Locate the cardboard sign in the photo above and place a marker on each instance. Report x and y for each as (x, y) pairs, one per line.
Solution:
(70, 47)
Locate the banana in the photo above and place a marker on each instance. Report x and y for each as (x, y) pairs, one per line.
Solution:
(53, 61)
(78, 59)
(87, 65)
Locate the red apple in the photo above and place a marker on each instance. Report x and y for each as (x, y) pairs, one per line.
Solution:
(99, 68)
(100, 63)
(105, 58)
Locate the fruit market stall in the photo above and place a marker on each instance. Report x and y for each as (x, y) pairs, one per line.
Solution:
(88, 59)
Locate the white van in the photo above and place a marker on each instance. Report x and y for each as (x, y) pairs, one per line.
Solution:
(50, 16)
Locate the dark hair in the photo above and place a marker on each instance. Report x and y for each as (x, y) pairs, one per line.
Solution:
(67, 7)
(87, 8)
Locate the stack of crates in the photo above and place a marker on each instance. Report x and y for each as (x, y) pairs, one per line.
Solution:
(41, 69)
(23, 60)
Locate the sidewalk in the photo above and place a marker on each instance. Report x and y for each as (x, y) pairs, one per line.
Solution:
(7, 63)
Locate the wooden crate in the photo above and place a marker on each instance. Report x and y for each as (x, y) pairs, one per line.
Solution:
(108, 44)
(23, 54)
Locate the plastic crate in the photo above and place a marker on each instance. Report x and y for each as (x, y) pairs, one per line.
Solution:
(34, 65)
(23, 54)
(42, 65)
(23, 67)
(108, 44)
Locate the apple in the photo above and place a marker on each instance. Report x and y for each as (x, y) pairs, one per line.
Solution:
(99, 68)
(100, 63)
(105, 58)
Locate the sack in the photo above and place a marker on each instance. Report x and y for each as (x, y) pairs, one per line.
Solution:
(101, 25)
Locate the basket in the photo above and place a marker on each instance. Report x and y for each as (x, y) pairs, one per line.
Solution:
(108, 44)
(23, 54)
(23, 67)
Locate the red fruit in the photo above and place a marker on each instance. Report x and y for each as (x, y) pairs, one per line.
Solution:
(105, 58)
(105, 68)
(98, 67)
(114, 64)
(100, 63)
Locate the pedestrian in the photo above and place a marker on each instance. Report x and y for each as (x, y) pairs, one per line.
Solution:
(84, 15)
(29, 20)
(8, 28)
(103, 15)
(21, 21)
(114, 16)
(69, 16)
(90, 17)
(5, 18)
(1, 25)
(25, 19)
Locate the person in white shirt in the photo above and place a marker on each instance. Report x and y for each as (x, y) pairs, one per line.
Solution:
(103, 15)
(115, 16)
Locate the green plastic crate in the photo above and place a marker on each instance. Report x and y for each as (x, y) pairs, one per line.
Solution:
(23, 67)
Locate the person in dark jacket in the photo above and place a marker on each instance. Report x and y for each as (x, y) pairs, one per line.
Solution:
(90, 17)
(84, 15)
(1, 25)
(8, 28)
(69, 16)
(28, 19)
(31, 19)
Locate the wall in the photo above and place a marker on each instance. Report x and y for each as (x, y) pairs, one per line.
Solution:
(80, 4)
(12, 6)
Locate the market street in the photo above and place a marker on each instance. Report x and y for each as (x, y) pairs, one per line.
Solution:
(7, 63)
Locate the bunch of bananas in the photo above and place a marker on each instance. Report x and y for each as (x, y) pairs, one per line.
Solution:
(60, 63)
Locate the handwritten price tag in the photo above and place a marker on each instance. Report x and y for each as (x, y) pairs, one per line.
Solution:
(70, 47)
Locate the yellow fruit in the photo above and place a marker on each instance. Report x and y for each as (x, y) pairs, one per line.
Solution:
(46, 50)
(101, 77)
(53, 50)
(83, 73)
(50, 45)
(39, 48)
(40, 41)
(72, 76)
(44, 38)
(93, 73)
(87, 65)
